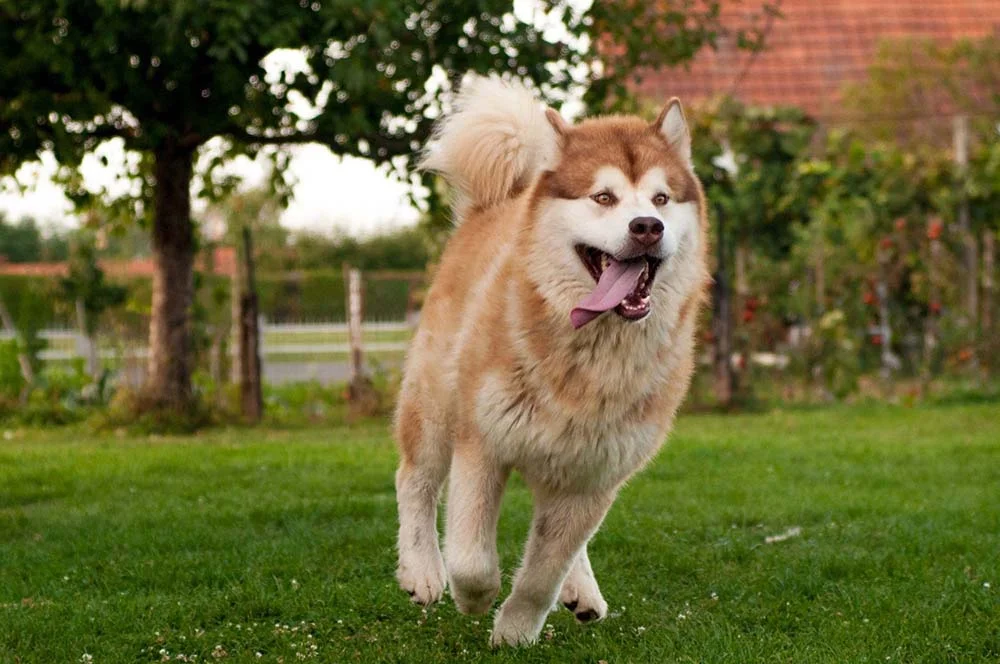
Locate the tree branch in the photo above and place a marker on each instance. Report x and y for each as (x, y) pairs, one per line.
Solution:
(191, 140)
(110, 131)
(244, 136)
(381, 145)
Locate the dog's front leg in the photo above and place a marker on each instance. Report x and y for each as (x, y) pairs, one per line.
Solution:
(561, 527)
(580, 592)
(474, 494)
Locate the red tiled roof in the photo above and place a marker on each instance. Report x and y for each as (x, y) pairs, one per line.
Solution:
(34, 269)
(815, 47)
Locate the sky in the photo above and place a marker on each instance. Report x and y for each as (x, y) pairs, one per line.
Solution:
(331, 194)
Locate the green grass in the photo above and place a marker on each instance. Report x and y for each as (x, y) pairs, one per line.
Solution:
(274, 541)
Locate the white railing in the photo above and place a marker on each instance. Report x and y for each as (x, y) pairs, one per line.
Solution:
(334, 327)
(334, 348)
(286, 332)
(48, 335)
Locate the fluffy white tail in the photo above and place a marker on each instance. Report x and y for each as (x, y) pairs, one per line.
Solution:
(493, 144)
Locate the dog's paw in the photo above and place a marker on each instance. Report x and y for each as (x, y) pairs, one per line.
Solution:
(516, 626)
(474, 595)
(583, 598)
(423, 577)
(590, 612)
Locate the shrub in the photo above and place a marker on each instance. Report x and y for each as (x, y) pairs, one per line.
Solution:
(11, 379)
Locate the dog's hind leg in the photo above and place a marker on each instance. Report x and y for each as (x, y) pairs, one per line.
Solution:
(474, 492)
(562, 525)
(425, 456)
(580, 592)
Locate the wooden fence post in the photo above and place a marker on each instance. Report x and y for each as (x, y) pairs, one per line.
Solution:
(971, 263)
(86, 344)
(355, 313)
(362, 397)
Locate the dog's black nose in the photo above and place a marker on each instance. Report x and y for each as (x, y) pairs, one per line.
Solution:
(646, 230)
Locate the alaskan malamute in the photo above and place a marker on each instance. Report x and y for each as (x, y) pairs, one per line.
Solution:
(557, 340)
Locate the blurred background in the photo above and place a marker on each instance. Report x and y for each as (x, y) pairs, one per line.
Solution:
(191, 193)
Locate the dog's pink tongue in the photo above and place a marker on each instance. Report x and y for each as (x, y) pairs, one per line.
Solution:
(617, 281)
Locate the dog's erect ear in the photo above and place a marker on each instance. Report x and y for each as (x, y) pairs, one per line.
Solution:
(557, 123)
(674, 128)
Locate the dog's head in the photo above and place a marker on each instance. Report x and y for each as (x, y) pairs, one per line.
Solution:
(617, 215)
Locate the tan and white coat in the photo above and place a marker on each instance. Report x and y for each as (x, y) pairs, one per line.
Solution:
(498, 380)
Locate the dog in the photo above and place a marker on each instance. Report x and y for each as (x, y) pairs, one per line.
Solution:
(557, 339)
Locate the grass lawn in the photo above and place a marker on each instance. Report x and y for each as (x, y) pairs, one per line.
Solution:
(241, 542)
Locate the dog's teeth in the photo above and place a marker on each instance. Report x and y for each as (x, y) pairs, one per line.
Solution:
(604, 262)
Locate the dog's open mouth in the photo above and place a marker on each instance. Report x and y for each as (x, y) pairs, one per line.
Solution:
(624, 286)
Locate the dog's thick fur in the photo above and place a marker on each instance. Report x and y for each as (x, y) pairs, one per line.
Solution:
(497, 379)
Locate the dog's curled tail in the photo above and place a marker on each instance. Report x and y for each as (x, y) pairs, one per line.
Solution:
(493, 144)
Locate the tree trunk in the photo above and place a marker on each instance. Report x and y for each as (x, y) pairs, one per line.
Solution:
(168, 382)
(742, 281)
(989, 281)
(988, 339)
(217, 353)
(723, 333)
(722, 324)
(236, 288)
(251, 394)
(819, 268)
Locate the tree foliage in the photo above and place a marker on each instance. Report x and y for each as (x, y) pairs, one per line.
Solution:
(165, 77)
(20, 242)
(256, 209)
(24, 242)
(86, 283)
(849, 237)
(764, 146)
(148, 71)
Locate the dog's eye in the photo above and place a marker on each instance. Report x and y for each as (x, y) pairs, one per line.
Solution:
(660, 200)
(604, 198)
